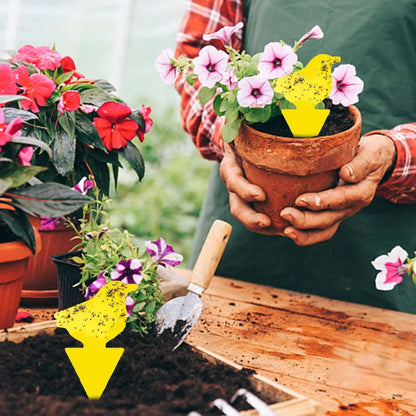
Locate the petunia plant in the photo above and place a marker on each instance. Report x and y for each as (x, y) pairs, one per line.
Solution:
(243, 87)
(108, 254)
(87, 127)
(393, 267)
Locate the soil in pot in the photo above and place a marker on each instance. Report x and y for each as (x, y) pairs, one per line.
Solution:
(150, 379)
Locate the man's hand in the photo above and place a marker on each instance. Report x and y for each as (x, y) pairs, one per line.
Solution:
(321, 213)
(242, 192)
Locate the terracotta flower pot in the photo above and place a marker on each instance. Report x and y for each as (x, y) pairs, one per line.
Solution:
(40, 280)
(286, 167)
(14, 257)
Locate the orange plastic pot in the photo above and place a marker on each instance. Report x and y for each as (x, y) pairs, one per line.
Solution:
(14, 258)
(286, 167)
(40, 279)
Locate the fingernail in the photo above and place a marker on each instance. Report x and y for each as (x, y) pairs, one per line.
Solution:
(301, 203)
(288, 232)
(350, 170)
(287, 216)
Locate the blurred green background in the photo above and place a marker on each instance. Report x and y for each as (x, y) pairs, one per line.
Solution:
(119, 40)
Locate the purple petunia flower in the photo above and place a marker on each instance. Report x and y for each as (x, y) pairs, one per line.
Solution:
(129, 305)
(165, 67)
(277, 60)
(128, 271)
(254, 92)
(47, 223)
(162, 253)
(224, 34)
(210, 65)
(83, 186)
(345, 85)
(96, 285)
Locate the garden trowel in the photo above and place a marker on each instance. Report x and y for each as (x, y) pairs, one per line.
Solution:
(178, 316)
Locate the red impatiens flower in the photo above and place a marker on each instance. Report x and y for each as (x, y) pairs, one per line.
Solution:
(7, 83)
(113, 126)
(69, 101)
(68, 65)
(37, 87)
(148, 122)
(43, 57)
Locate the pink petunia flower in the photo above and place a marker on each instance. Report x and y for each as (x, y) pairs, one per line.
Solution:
(254, 92)
(210, 65)
(314, 33)
(43, 57)
(9, 130)
(36, 87)
(165, 67)
(145, 112)
(224, 34)
(391, 268)
(345, 85)
(162, 253)
(113, 125)
(277, 60)
(128, 271)
(230, 79)
(69, 101)
(7, 83)
(25, 156)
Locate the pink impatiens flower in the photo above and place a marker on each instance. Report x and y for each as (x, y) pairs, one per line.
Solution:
(165, 67)
(7, 83)
(254, 92)
(25, 156)
(69, 101)
(36, 87)
(314, 33)
(43, 57)
(9, 130)
(224, 34)
(392, 268)
(210, 65)
(345, 85)
(148, 122)
(276, 60)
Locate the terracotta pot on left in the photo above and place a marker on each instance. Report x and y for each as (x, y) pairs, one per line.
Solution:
(287, 167)
(14, 259)
(40, 280)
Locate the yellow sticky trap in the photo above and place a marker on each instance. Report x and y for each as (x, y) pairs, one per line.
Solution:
(305, 89)
(94, 323)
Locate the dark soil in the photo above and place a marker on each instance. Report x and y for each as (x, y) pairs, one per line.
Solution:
(36, 378)
(339, 119)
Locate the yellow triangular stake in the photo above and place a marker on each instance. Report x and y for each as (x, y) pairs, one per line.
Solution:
(94, 367)
(305, 122)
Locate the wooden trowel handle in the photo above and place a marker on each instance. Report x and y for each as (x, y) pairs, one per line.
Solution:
(210, 254)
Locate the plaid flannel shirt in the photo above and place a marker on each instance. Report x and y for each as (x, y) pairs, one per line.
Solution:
(203, 125)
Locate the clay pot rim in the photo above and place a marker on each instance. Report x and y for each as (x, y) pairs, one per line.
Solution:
(355, 112)
(14, 251)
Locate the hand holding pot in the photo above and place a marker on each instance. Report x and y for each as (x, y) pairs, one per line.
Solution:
(321, 213)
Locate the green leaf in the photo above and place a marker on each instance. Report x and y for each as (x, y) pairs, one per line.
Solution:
(95, 96)
(12, 113)
(205, 94)
(320, 106)
(231, 115)
(191, 78)
(31, 141)
(230, 130)
(63, 152)
(257, 115)
(138, 307)
(285, 104)
(132, 154)
(19, 225)
(137, 116)
(10, 98)
(19, 175)
(87, 133)
(217, 105)
(48, 199)
(105, 85)
(5, 184)
(67, 122)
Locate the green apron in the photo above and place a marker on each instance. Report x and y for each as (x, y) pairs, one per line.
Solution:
(378, 37)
